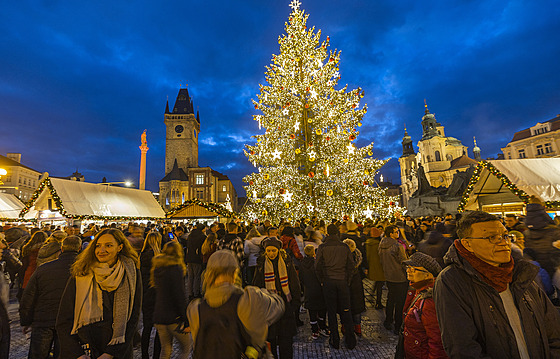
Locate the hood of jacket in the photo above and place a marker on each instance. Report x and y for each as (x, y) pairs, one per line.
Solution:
(387, 242)
(48, 250)
(435, 237)
(524, 272)
(537, 218)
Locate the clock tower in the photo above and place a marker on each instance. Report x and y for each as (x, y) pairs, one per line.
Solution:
(182, 129)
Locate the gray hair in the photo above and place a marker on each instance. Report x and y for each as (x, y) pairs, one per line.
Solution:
(221, 262)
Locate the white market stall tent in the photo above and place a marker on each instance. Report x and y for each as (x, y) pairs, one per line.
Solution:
(10, 207)
(504, 186)
(61, 198)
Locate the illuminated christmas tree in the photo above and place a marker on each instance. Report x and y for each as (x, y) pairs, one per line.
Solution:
(307, 160)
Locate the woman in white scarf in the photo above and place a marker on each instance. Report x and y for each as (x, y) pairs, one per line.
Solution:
(100, 306)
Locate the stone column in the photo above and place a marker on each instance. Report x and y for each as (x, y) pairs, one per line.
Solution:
(144, 149)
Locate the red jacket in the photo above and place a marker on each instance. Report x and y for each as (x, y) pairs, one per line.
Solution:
(422, 337)
(291, 244)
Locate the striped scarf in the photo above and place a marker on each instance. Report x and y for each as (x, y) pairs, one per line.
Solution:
(270, 276)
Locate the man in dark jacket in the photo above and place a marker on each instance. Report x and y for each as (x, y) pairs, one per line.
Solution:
(335, 267)
(193, 258)
(41, 298)
(487, 303)
(232, 242)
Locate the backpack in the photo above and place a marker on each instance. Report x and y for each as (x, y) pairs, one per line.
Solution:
(221, 333)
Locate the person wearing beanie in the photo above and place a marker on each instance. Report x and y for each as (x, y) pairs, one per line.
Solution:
(225, 301)
(335, 268)
(420, 330)
(487, 302)
(276, 273)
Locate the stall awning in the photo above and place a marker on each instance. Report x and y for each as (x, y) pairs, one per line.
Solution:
(195, 208)
(82, 200)
(513, 181)
(10, 207)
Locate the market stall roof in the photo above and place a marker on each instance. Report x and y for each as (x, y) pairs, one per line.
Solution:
(83, 200)
(511, 181)
(10, 207)
(195, 208)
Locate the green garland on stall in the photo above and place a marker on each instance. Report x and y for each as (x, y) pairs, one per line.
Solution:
(46, 183)
(502, 177)
(213, 207)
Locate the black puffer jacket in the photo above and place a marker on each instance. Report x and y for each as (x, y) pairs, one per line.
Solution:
(148, 292)
(473, 320)
(436, 246)
(540, 235)
(193, 254)
(41, 297)
(314, 299)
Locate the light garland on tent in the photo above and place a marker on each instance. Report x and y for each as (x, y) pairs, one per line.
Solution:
(211, 206)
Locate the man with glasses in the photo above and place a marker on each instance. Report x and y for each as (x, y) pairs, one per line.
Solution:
(487, 302)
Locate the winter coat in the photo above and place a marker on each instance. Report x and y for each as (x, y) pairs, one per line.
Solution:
(257, 309)
(98, 334)
(252, 250)
(435, 246)
(422, 337)
(473, 320)
(392, 254)
(44, 292)
(375, 271)
(193, 254)
(539, 238)
(171, 297)
(148, 292)
(286, 325)
(29, 261)
(314, 299)
(48, 252)
(235, 244)
(357, 300)
(359, 245)
(290, 245)
(334, 260)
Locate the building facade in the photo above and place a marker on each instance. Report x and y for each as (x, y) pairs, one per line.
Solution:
(539, 141)
(19, 180)
(440, 156)
(184, 179)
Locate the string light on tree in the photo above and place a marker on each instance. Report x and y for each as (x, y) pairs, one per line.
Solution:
(310, 124)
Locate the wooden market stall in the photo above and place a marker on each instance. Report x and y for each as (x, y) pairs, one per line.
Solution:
(200, 211)
(504, 186)
(57, 200)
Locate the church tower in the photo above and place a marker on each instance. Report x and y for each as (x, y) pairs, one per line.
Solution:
(408, 165)
(182, 129)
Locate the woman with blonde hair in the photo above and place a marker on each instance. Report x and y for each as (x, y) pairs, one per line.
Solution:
(170, 310)
(100, 306)
(150, 249)
(252, 250)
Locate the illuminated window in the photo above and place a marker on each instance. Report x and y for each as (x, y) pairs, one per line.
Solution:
(199, 179)
(224, 188)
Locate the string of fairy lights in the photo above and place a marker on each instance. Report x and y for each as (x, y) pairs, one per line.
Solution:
(217, 208)
(307, 161)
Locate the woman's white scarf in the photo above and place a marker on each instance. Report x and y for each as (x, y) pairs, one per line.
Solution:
(89, 298)
(270, 276)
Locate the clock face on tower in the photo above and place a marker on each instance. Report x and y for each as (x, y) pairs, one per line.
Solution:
(179, 128)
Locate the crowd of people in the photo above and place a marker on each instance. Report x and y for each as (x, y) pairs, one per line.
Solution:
(474, 285)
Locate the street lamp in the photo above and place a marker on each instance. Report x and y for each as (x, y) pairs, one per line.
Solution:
(3, 172)
(126, 183)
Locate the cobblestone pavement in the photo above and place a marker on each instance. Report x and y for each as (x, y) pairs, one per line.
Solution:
(375, 343)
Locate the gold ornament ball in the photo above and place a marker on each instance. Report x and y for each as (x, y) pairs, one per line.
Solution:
(266, 176)
(346, 160)
(319, 132)
(370, 153)
(287, 205)
(312, 159)
(329, 192)
(298, 151)
(366, 172)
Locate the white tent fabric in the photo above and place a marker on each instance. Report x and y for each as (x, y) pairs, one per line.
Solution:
(536, 176)
(10, 206)
(90, 199)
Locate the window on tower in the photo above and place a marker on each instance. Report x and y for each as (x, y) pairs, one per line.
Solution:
(224, 188)
(200, 194)
(200, 178)
(438, 156)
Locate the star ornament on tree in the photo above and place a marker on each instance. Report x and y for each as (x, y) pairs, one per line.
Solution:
(368, 212)
(276, 155)
(295, 4)
(288, 196)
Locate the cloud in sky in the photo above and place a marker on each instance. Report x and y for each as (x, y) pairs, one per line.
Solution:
(80, 81)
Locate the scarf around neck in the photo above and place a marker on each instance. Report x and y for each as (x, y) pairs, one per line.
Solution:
(88, 307)
(497, 277)
(270, 276)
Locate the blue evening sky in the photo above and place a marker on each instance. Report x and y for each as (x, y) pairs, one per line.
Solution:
(81, 80)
